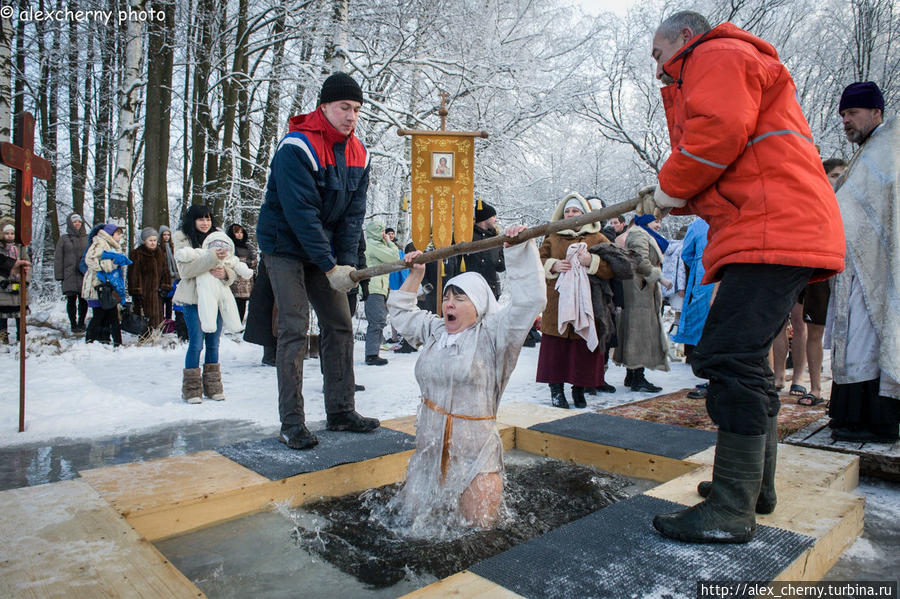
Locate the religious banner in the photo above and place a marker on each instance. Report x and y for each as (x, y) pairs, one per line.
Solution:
(442, 183)
(442, 189)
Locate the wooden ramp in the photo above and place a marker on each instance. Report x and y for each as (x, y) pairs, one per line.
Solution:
(91, 537)
(881, 460)
(64, 540)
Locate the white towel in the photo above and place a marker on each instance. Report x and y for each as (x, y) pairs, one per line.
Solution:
(575, 304)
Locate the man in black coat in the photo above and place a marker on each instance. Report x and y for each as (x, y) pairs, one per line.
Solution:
(489, 262)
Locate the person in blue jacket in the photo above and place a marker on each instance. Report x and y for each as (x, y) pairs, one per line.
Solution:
(697, 297)
(308, 232)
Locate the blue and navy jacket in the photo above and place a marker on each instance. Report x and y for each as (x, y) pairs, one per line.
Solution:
(316, 194)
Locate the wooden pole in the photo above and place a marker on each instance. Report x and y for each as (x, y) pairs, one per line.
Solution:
(472, 247)
(23, 307)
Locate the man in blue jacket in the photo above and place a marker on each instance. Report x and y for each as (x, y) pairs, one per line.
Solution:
(309, 229)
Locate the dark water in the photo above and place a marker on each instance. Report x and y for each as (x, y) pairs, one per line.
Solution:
(539, 496)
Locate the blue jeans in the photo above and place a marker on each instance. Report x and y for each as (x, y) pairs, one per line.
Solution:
(196, 338)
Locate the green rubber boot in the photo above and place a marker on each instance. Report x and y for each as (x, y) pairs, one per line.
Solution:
(767, 500)
(726, 516)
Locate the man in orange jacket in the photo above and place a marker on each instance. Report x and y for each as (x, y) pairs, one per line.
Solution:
(743, 159)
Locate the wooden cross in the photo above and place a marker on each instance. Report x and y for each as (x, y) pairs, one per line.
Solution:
(443, 111)
(21, 157)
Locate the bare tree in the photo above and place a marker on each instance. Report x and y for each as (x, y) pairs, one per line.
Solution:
(6, 189)
(48, 107)
(160, 55)
(126, 140)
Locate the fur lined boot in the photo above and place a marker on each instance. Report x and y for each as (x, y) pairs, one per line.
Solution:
(191, 389)
(212, 382)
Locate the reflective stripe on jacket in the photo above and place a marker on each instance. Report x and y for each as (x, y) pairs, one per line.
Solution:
(743, 156)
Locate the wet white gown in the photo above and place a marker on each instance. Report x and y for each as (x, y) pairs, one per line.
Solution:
(466, 379)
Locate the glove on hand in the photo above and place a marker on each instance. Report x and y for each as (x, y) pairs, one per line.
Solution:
(649, 205)
(339, 278)
(163, 294)
(364, 289)
(664, 200)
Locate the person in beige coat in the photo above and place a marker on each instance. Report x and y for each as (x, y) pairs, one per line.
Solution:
(192, 262)
(564, 356)
(642, 342)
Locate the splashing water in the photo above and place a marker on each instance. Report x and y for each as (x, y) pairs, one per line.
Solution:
(368, 536)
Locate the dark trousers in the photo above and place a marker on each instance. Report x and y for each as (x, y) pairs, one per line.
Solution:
(297, 284)
(751, 307)
(76, 308)
(323, 333)
(103, 324)
(18, 326)
(167, 308)
(241, 306)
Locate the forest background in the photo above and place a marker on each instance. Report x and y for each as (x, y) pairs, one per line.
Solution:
(147, 106)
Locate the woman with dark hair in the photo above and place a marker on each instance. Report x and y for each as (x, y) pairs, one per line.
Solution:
(193, 261)
(242, 287)
(167, 248)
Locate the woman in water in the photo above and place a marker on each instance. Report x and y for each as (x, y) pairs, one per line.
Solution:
(467, 358)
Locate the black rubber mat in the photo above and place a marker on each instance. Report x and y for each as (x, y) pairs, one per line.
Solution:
(274, 460)
(667, 440)
(616, 553)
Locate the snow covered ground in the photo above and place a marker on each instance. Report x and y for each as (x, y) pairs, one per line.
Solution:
(80, 391)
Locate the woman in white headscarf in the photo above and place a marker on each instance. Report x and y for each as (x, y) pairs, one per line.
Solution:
(467, 358)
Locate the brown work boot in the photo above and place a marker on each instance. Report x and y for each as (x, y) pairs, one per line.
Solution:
(191, 389)
(212, 382)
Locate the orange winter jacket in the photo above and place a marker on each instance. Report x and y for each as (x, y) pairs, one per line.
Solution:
(743, 156)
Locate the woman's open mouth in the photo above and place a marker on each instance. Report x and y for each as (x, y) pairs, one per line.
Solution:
(451, 317)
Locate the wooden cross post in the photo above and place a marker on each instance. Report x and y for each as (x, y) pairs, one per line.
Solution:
(21, 157)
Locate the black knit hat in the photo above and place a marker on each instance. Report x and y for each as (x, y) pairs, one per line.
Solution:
(485, 213)
(863, 94)
(340, 86)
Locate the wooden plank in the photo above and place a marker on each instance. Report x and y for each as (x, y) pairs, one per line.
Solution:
(154, 484)
(815, 467)
(404, 424)
(833, 518)
(463, 584)
(188, 515)
(524, 414)
(64, 540)
(605, 457)
(876, 459)
(808, 431)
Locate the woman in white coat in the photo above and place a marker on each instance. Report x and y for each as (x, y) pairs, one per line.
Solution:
(467, 358)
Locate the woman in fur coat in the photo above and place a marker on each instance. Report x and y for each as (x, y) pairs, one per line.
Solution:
(148, 277)
(642, 342)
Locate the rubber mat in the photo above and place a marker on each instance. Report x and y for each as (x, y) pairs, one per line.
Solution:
(616, 553)
(667, 440)
(276, 461)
